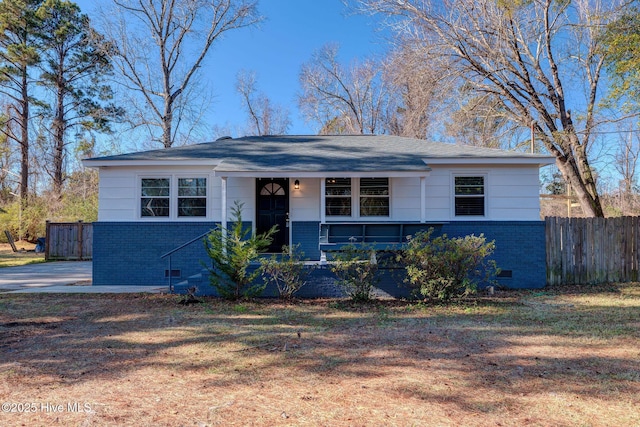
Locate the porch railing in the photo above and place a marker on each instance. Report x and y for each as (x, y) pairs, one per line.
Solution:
(177, 249)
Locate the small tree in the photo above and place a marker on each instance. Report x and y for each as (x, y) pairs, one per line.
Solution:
(356, 268)
(442, 268)
(232, 250)
(287, 272)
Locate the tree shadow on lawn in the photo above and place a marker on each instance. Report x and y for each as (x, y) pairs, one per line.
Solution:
(508, 346)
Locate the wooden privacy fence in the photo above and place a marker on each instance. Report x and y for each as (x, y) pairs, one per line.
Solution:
(592, 250)
(69, 241)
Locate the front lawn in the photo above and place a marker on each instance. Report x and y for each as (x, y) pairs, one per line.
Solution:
(568, 357)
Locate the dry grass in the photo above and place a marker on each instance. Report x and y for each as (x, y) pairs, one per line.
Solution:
(561, 358)
(8, 258)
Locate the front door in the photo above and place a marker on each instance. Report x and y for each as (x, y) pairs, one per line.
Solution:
(272, 201)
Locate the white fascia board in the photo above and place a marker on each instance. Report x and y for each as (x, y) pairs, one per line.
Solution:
(540, 161)
(303, 174)
(107, 163)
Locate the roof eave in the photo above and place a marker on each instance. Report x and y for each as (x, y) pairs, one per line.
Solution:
(529, 160)
(320, 174)
(99, 163)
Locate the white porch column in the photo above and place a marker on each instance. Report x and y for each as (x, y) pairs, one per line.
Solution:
(323, 215)
(323, 210)
(223, 202)
(423, 199)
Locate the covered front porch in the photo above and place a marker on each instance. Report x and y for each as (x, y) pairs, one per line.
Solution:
(320, 211)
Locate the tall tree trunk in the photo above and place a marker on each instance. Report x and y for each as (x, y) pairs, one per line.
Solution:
(24, 139)
(589, 202)
(167, 119)
(58, 142)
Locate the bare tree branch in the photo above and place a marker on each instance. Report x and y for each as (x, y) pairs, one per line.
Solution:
(158, 46)
(515, 51)
(264, 117)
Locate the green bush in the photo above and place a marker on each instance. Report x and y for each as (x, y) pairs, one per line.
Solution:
(77, 203)
(442, 268)
(287, 272)
(27, 221)
(357, 271)
(232, 251)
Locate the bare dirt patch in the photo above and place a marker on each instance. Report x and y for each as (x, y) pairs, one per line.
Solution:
(519, 358)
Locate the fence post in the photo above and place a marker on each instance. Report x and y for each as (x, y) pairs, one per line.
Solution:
(79, 240)
(47, 240)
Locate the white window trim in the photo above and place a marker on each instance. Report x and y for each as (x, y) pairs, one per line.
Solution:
(355, 202)
(173, 197)
(485, 176)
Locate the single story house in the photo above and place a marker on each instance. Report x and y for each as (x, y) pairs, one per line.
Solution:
(322, 192)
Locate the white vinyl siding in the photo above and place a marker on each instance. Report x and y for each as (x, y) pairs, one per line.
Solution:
(514, 194)
(406, 199)
(118, 199)
(511, 194)
(304, 203)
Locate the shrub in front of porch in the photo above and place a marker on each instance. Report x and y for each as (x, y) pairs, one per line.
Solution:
(232, 250)
(287, 271)
(442, 268)
(357, 270)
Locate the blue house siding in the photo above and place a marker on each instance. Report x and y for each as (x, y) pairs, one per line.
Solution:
(128, 253)
(520, 249)
(307, 234)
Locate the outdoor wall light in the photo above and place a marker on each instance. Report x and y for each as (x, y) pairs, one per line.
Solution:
(296, 184)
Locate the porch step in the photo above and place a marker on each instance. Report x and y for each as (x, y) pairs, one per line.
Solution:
(197, 280)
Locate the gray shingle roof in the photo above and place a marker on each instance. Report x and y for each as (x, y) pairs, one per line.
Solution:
(357, 153)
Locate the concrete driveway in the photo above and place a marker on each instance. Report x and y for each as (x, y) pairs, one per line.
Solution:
(62, 277)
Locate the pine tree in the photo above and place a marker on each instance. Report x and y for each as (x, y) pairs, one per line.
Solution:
(73, 69)
(19, 53)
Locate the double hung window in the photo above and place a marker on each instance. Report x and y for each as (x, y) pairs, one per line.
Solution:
(338, 196)
(192, 197)
(374, 196)
(154, 201)
(167, 197)
(469, 196)
(357, 197)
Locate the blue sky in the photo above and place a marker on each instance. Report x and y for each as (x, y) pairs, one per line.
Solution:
(293, 30)
(275, 51)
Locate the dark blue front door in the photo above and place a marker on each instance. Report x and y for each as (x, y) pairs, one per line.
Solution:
(272, 208)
